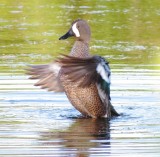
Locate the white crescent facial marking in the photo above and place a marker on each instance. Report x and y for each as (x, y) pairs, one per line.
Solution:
(75, 30)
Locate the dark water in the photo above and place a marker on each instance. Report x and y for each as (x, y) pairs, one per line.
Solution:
(34, 122)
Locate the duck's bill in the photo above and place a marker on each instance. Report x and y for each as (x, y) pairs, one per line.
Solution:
(67, 35)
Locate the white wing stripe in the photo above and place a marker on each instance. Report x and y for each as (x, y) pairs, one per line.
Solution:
(101, 70)
(55, 68)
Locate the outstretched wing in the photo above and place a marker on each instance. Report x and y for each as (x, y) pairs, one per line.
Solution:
(76, 68)
(94, 70)
(47, 75)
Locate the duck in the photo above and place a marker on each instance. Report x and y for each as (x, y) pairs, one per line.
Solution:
(83, 77)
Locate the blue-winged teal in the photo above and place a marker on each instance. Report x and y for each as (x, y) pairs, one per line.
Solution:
(84, 78)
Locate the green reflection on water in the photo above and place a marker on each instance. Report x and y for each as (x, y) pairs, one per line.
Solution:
(126, 32)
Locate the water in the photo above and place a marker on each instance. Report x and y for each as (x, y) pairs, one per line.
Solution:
(34, 122)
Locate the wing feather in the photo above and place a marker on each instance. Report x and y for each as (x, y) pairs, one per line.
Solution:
(47, 75)
(94, 69)
(78, 68)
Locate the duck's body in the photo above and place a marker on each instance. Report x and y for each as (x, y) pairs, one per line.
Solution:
(84, 78)
(84, 99)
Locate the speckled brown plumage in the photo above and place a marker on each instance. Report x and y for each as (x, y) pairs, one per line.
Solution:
(86, 100)
(92, 99)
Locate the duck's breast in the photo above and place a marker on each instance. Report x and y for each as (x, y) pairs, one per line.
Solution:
(86, 99)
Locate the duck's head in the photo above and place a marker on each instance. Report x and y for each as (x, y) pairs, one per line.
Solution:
(80, 29)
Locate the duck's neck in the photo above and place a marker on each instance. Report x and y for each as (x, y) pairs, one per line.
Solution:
(80, 49)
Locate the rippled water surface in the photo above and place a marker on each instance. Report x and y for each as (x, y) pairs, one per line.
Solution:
(34, 122)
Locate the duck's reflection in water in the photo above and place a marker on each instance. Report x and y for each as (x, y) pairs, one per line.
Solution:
(83, 138)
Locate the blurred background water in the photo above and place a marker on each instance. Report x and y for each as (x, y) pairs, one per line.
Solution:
(34, 122)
